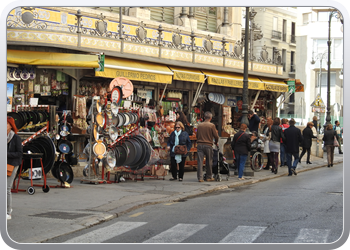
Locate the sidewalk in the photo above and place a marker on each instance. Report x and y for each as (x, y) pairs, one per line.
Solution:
(43, 216)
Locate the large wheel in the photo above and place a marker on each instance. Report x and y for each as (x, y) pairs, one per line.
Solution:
(259, 161)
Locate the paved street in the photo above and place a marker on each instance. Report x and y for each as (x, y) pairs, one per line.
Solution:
(45, 216)
(285, 210)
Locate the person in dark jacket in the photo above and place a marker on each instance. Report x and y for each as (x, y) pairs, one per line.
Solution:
(241, 145)
(276, 135)
(293, 139)
(328, 138)
(254, 121)
(178, 137)
(14, 158)
(307, 142)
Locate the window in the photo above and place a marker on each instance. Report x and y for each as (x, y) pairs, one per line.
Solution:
(323, 16)
(206, 18)
(306, 18)
(275, 24)
(162, 14)
(292, 61)
(292, 38)
(324, 76)
(284, 59)
(284, 31)
(336, 48)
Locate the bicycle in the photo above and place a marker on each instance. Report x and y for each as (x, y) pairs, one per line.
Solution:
(258, 160)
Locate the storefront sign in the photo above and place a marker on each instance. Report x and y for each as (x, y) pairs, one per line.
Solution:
(101, 63)
(232, 101)
(291, 86)
(184, 76)
(276, 87)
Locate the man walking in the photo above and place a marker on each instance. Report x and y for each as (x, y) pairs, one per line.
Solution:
(339, 132)
(293, 138)
(206, 134)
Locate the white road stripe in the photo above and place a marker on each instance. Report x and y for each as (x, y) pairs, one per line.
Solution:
(243, 234)
(176, 234)
(307, 235)
(106, 233)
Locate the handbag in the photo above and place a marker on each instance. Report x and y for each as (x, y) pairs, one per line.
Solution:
(180, 150)
(336, 144)
(267, 142)
(10, 169)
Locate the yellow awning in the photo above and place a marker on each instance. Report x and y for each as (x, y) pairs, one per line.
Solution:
(51, 59)
(274, 85)
(232, 80)
(135, 70)
(185, 74)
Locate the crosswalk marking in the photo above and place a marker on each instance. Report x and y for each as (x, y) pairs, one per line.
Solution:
(105, 233)
(243, 234)
(307, 235)
(180, 232)
(176, 234)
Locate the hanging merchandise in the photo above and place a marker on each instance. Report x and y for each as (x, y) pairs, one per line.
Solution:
(124, 83)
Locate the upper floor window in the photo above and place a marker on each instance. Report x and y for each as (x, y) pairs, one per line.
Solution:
(206, 18)
(162, 14)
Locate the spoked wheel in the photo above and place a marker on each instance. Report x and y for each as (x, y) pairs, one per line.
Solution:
(46, 189)
(31, 190)
(259, 160)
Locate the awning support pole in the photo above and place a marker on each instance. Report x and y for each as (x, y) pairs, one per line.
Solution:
(199, 89)
(161, 98)
(256, 98)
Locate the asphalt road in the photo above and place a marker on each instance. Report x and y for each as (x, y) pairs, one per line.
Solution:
(307, 208)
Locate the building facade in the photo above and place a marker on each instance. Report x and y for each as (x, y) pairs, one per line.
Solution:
(312, 50)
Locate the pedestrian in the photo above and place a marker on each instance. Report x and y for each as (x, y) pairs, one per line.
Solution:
(253, 119)
(328, 138)
(293, 138)
(180, 116)
(206, 134)
(266, 128)
(178, 137)
(314, 121)
(14, 158)
(283, 158)
(276, 134)
(339, 132)
(307, 142)
(241, 145)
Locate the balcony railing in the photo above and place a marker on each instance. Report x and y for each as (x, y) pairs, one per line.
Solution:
(292, 39)
(276, 34)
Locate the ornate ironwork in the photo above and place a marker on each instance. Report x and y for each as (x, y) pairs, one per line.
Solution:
(141, 32)
(208, 44)
(264, 55)
(26, 17)
(101, 28)
(177, 39)
(78, 28)
(160, 35)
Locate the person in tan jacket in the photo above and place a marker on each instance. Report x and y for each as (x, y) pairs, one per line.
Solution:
(206, 134)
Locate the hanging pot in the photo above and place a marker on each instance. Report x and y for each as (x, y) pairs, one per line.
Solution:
(64, 130)
(65, 173)
(121, 155)
(111, 159)
(131, 152)
(114, 108)
(65, 146)
(115, 120)
(100, 120)
(113, 133)
(127, 119)
(96, 133)
(121, 120)
(50, 151)
(116, 95)
(99, 149)
(124, 83)
(139, 152)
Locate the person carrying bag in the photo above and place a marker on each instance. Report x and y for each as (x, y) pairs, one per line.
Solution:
(179, 144)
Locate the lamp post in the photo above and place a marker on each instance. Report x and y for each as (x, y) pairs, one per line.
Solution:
(334, 13)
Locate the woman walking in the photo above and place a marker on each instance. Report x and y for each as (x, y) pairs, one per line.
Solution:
(276, 134)
(328, 138)
(14, 158)
(307, 135)
(241, 145)
(181, 117)
(178, 137)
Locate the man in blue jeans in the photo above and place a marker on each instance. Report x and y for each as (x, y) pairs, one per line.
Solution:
(293, 139)
(241, 145)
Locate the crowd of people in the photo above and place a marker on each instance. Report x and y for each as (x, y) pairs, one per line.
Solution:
(279, 139)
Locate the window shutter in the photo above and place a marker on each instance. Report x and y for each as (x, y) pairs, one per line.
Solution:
(162, 14)
(206, 18)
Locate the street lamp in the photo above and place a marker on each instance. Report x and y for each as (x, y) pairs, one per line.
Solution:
(337, 15)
